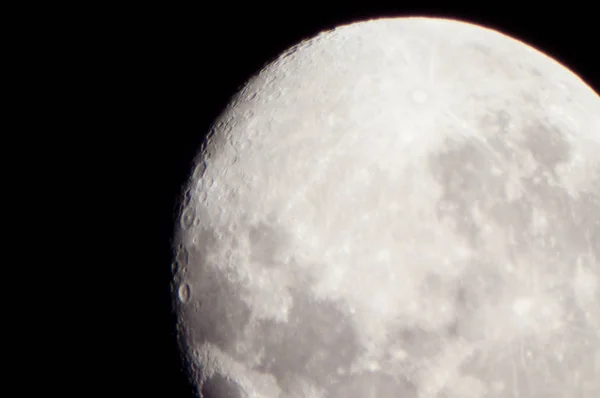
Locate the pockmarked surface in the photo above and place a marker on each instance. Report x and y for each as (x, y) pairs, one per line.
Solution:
(397, 208)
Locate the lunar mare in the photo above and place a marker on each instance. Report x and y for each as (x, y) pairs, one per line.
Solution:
(400, 207)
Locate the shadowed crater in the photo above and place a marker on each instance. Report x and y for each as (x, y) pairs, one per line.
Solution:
(218, 386)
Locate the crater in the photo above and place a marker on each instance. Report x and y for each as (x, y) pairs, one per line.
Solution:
(218, 386)
(188, 217)
(184, 293)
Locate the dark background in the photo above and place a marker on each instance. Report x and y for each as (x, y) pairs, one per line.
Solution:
(181, 65)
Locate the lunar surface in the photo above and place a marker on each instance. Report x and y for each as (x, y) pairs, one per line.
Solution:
(395, 208)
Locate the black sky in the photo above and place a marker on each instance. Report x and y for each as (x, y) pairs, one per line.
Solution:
(191, 60)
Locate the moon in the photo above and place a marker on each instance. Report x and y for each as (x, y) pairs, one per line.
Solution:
(404, 207)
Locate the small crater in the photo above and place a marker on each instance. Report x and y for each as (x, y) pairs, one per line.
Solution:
(186, 197)
(181, 260)
(199, 170)
(188, 217)
(184, 293)
(182, 257)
